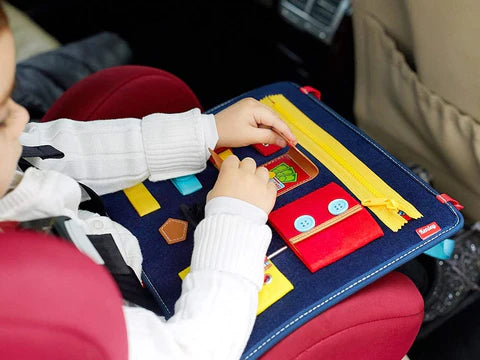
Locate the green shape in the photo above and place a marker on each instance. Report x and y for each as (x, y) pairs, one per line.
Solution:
(288, 178)
(280, 167)
(288, 171)
(285, 173)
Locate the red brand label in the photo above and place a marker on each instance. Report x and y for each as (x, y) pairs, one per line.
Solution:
(427, 230)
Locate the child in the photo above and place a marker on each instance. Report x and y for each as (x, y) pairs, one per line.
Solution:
(216, 311)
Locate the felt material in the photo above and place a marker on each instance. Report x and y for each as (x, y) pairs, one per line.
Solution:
(313, 293)
(332, 243)
(56, 303)
(187, 184)
(226, 153)
(275, 286)
(266, 149)
(141, 199)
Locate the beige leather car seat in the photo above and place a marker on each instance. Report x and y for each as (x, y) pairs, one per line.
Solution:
(417, 87)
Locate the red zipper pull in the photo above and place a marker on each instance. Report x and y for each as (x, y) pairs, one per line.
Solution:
(444, 198)
(310, 89)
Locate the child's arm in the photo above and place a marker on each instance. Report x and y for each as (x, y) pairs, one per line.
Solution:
(215, 314)
(110, 155)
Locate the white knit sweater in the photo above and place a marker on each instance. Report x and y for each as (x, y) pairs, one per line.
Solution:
(216, 311)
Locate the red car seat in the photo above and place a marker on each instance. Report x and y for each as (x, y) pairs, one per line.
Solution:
(56, 303)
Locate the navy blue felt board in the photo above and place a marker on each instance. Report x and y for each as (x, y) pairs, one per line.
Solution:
(313, 293)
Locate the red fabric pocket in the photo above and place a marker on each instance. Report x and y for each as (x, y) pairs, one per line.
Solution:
(291, 169)
(340, 226)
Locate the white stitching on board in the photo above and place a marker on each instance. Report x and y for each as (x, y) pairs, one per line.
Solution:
(351, 286)
(363, 279)
(156, 292)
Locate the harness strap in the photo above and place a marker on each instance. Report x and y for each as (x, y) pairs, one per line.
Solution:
(42, 151)
(128, 283)
(94, 204)
(126, 279)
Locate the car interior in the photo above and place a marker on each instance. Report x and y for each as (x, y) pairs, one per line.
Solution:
(363, 56)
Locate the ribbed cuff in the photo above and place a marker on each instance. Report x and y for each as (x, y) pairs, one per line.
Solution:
(232, 244)
(210, 131)
(233, 206)
(175, 144)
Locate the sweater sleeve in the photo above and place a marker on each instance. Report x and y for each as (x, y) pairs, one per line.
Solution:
(215, 313)
(110, 155)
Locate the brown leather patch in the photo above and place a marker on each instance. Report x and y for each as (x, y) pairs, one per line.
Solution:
(174, 230)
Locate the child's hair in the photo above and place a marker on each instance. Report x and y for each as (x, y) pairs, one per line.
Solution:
(3, 17)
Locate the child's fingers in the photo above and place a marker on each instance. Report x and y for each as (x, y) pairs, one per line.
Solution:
(266, 116)
(267, 136)
(263, 173)
(248, 164)
(272, 188)
(230, 162)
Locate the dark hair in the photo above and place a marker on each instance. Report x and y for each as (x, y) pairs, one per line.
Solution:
(3, 16)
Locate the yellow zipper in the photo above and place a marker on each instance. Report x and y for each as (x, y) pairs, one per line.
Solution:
(367, 186)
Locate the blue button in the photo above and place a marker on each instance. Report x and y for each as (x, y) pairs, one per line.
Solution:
(187, 184)
(304, 223)
(337, 206)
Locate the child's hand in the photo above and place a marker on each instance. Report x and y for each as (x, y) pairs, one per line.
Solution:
(243, 180)
(250, 122)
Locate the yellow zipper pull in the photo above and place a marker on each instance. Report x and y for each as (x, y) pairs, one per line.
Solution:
(388, 203)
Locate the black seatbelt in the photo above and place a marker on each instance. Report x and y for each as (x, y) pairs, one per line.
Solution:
(127, 281)
(95, 204)
(124, 276)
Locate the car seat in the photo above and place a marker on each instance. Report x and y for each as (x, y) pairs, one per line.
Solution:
(58, 304)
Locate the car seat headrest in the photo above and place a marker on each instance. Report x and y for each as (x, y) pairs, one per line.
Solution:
(56, 303)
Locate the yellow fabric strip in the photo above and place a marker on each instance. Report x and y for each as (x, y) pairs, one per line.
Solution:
(141, 199)
(326, 224)
(367, 186)
(276, 287)
(224, 154)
